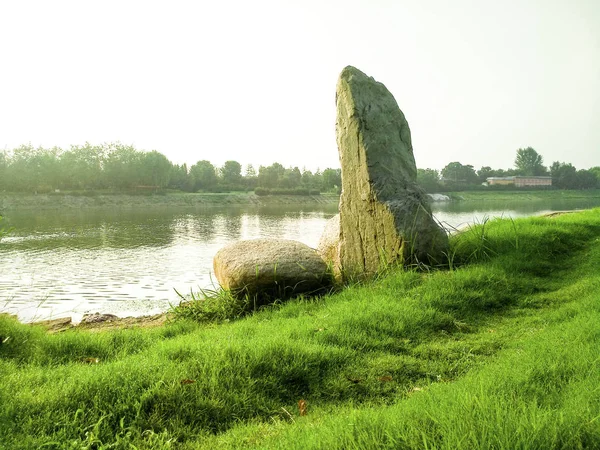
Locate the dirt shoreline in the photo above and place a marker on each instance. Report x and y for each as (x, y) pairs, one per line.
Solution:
(100, 322)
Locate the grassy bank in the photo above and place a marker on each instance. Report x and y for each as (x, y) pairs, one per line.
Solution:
(524, 195)
(74, 200)
(78, 200)
(501, 351)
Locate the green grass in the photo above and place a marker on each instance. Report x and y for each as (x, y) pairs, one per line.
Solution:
(512, 195)
(94, 199)
(502, 351)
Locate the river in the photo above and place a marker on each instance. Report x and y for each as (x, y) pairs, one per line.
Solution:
(133, 261)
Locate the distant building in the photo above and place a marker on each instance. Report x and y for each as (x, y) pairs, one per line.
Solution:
(533, 181)
(519, 181)
(500, 181)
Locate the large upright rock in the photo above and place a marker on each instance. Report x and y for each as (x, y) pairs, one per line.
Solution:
(385, 217)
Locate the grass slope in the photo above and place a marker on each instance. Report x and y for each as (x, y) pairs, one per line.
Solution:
(502, 351)
(92, 199)
(513, 195)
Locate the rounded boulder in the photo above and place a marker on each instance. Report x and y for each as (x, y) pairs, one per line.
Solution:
(271, 269)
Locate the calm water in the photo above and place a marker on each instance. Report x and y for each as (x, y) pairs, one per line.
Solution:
(129, 262)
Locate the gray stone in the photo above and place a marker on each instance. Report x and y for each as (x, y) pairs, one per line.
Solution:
(439, 197)
(98, 318)
(385, 218)
(329, 243)
(271, 269)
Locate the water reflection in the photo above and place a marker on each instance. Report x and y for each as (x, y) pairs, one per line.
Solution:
(128, 262)
(88, 229)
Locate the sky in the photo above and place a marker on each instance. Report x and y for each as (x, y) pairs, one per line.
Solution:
(254, 81)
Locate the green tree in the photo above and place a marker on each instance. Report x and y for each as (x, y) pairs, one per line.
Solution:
(231, 174)
(179, 178)
(19, 174)
(459, 175)
(292, 178)
(250, 171)
(332, 179)
(586, 179)
(81, 167)
(122, 166)
(529, 162)
(596, 172)
(318, 179)
(250, 177)
(564, 175)
(3, 170)
(428, 179)
(484, 173)
(308, 179)
(33, 170)
(47, 164)
(270, 176)
(155, 169)
(203, 176)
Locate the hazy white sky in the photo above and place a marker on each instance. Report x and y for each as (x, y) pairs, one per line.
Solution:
(254, 81)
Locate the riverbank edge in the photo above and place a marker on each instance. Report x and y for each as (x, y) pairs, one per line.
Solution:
(16, 202)
(522, 195)
(108, 322)
(105, 322)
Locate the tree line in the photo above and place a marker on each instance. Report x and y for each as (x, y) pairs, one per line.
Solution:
(119, 167)
(528, 162)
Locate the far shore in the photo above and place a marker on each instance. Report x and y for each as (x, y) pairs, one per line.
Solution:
(77, 200)
(11, 202)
